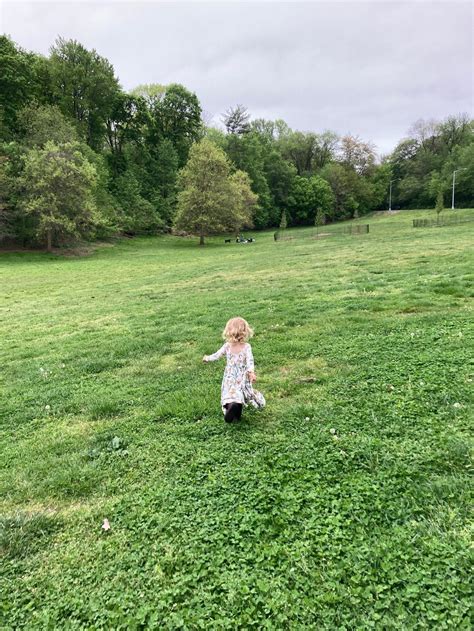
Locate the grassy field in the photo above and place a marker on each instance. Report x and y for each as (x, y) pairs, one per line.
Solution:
(343, 505)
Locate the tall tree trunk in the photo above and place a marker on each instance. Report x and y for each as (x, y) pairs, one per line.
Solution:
(49, 238)
(201, 239)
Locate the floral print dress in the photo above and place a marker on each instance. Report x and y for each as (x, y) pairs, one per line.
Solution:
(236, 384)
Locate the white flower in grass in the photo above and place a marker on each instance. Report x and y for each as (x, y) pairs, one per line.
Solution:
(47, 408)
(105, 525)
(457, 405)
(63, 365)
(332, 430)
(306, 418)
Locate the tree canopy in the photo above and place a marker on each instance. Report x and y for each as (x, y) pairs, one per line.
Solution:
(137, 142)
(211, 199)
(57, 187)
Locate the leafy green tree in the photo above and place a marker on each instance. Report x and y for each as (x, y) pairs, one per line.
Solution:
(247, 152)
(84, 88)
(300, 201)
(279, 174)
(209, 200)
(155, 170)
(299, 148)
(273, 131)
(137, 215)
(57, 187)
(151, 93)
(379, 182)
(40, 124)
(216, 136)
(433, 147)
(244, 200)
(7, 214)
(14, 223)
(308, 152)
(455, 131)
(125, 123)
(308, 194)
(322, 196)
(21, 81)
(352, 192)
(164, 174)
(265, 129)
(462, 159)
(325, 149)
(176, 116)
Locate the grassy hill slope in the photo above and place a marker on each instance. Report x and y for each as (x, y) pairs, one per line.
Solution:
(344, 504)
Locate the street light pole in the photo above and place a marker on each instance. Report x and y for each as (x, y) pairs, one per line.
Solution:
(454, 183)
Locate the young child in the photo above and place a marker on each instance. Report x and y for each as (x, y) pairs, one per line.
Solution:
(239, 373)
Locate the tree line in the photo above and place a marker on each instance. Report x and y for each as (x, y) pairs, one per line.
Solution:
(82, 158)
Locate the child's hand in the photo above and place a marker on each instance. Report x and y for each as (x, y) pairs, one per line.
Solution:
(205, 359)
(252, 376)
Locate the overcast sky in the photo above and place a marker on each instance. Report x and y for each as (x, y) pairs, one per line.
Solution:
(368, 68)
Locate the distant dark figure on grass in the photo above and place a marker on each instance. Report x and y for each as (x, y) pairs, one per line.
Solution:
(241, 239)
(239, 374)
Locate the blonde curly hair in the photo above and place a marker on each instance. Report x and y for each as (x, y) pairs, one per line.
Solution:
(237, 330)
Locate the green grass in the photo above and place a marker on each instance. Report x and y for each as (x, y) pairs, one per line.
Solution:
(343, 505)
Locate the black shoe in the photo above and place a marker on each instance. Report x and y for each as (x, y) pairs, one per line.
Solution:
(233, 412)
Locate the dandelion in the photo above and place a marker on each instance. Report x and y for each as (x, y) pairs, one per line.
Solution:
(47, 408)
(306, 418)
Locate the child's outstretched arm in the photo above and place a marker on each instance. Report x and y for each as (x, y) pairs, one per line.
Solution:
(215, 356)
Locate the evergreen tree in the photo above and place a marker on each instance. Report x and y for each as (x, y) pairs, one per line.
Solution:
(236, 120)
